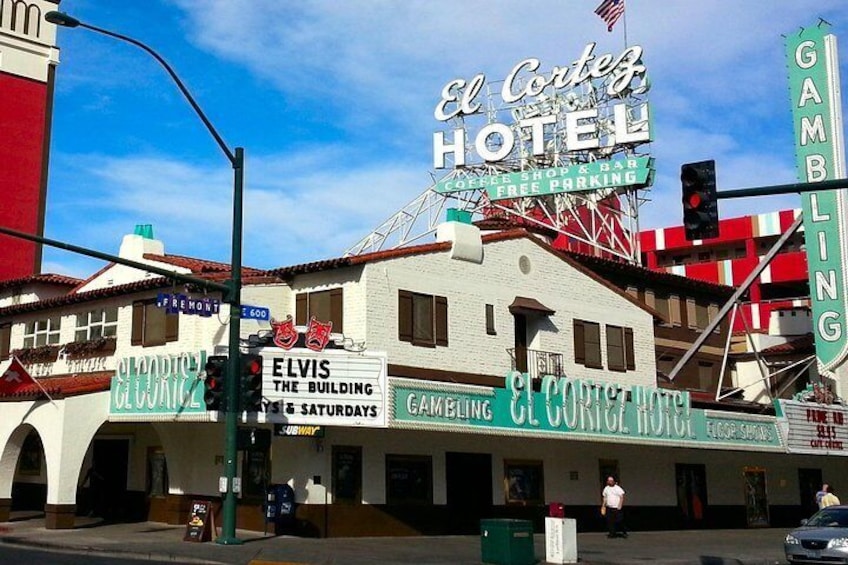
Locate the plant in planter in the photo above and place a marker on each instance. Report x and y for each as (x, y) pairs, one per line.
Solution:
(39, 354)
(97, 347)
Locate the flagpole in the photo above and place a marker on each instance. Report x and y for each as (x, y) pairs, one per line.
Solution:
(624, 16)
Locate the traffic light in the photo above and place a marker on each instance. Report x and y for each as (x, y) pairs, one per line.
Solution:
(215, 394)
(700, 200)
(251, 382)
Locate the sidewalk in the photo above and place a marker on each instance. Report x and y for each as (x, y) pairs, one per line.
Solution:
(162, 542)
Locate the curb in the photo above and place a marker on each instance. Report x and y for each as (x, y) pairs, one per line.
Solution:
(100, 552)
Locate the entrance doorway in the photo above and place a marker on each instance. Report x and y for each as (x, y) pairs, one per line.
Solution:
(469, 490)
(809, 483)
(756, 497)
(520, 342)
(107, 478)
(691, 494)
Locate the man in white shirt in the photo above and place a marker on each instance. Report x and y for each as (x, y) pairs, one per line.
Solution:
(612, 502)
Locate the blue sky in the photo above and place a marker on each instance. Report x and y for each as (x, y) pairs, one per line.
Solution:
(333, 102)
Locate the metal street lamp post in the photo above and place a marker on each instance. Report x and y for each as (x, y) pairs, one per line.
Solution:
(232, 296)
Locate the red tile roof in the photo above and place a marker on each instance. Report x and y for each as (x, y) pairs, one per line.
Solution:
(108, 292)
(63, 386)
(435, 247)
(46, 278)
(200, 268)
(803, 344)
(197, 266)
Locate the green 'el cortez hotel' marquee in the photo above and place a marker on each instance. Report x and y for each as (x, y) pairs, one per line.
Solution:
(579, 410)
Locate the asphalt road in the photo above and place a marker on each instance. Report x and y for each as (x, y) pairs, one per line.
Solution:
(31, 556)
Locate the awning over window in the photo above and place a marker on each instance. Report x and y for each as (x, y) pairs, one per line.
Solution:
(522, 305)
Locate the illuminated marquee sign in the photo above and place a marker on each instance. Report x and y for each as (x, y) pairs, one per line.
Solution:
(329, 388)
(578, 410)
(813, 428)
(582, 113)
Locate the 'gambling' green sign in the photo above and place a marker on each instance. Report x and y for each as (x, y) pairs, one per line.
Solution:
(819, 146)
(632, 171)
(580, 410)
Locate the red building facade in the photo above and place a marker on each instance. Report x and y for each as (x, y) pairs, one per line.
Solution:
(730, 258)
(27, 62)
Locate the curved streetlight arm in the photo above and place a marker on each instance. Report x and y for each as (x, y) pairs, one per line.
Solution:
(62, 19)
(232, 295)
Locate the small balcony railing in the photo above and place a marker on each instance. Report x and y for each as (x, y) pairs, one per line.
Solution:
(537, 363)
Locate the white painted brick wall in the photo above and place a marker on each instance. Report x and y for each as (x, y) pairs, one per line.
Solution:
(498, 280)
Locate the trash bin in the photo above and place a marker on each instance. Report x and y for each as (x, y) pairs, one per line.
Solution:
(507, 542)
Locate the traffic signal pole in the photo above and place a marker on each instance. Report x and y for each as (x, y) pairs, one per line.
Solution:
(835, 184)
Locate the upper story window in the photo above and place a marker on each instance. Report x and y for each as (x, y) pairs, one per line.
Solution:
(587, 344)
(661, 305)
(621, 355)
(152, 325)
(93, 324)
(422, 319)
(5, 340)
(702, 315)
(325, 305)
(42, 332)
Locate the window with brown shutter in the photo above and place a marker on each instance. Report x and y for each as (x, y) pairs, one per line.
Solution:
(441, 320)
(490, 320)
(587, 344)
(404, 315)
(325, 306)
(152, 325)
(592, 332)
(615, 348)
(579, 343)
(5, 340)
(629, 350)
(422, 319)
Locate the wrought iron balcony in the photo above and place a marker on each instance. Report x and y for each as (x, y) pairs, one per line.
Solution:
(537, 363)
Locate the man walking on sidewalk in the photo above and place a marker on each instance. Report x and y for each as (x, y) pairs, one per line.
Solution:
(612, 502)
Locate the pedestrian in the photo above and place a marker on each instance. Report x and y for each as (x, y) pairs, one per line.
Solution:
(829, 499)
(612, 503)
(820, 494)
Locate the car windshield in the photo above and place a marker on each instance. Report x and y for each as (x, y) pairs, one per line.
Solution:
(833, 517)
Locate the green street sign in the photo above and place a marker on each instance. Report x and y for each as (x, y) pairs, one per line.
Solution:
(586, 177)
(819, 146)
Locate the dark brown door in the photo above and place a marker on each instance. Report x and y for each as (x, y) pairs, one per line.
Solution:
(469, 490)
(111, 458)
(520, 342)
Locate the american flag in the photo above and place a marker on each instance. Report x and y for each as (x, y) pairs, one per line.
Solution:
(610, 11)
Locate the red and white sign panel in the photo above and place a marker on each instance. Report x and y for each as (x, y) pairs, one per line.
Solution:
(813, 428)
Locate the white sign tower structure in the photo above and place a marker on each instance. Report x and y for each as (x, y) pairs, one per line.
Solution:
(557, 149)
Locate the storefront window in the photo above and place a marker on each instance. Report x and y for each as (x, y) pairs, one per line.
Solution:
(347, 474)
(409, 479)
(157, 472)
(524, 482)
(255, 470)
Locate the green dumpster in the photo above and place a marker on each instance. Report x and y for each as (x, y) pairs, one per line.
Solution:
(507, 542)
